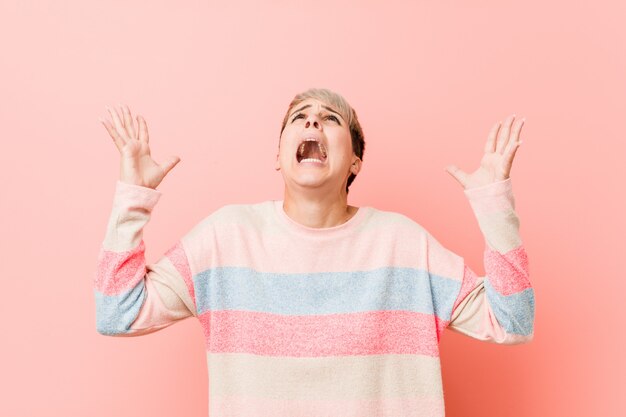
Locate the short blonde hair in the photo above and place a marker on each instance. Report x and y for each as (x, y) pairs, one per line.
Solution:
(340, 104)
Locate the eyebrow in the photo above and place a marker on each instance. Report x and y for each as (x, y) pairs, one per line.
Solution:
(308, 105)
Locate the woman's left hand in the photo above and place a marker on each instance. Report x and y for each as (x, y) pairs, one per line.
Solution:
(502, 143)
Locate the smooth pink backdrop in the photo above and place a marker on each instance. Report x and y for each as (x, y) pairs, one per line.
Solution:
(213, 80)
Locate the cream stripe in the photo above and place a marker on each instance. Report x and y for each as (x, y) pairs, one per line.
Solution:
(344, 377)
(250, 237)
(500, 230)
(171, 288)
(130, 212)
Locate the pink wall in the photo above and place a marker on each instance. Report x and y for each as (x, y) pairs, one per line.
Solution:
(428, 80)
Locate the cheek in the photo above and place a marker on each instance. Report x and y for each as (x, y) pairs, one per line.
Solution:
(344, 148)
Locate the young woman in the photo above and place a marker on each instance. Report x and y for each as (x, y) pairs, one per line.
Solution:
(310, 306)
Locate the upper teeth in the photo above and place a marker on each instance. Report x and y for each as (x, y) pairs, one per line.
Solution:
(319, 144)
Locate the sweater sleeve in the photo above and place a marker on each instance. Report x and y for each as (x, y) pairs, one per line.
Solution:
(134, 298)
(500, 306)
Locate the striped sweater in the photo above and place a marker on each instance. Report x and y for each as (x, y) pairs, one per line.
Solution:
(304, 322)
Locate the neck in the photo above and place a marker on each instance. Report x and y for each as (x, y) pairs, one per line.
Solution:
(318, 211)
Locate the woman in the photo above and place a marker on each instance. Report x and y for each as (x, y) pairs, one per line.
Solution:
(310, 306)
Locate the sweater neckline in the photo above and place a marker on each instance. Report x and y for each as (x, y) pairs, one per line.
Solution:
(334, 231)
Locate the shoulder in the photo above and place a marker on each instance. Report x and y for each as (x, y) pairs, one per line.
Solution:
(227, 221)
(395, 221)
(237, 214)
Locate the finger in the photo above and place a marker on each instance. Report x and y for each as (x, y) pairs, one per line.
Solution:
(517, 128)
(128, 122)
(490, 146)
(117, 122)
(514, 140)
(457, 173)
(117, 139)
(170, 163)
(508, 159)
(503, 137)
(143, 129)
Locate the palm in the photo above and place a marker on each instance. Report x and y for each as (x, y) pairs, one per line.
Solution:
(136, 166)
(495, 165)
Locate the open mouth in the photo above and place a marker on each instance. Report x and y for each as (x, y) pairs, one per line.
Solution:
(311, 150)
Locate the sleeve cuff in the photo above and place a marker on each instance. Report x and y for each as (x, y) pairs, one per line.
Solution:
(136, 195)
(493, 197)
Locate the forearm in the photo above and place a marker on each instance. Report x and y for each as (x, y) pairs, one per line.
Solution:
(500, 306)
(119, 284)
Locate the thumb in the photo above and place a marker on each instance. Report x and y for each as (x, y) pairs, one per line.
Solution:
(170, 163)
(457, 173)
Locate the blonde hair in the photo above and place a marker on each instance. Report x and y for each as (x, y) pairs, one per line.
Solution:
(340, 104)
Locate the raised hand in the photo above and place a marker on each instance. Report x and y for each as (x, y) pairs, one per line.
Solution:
(502, 143)
(131, 138)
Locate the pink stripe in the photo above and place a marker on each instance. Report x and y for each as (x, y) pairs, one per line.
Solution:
(237, 406)
(117, 272)
(178, 258)
(368, 333)
(508, 273)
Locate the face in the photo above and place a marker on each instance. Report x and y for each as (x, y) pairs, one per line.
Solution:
(315, 119)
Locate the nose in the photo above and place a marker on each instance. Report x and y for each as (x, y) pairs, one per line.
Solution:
(312, 120)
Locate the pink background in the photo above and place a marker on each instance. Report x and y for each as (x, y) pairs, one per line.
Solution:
(428, 80)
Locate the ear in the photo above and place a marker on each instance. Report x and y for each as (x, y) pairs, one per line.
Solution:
(355, 168)
(277, 163)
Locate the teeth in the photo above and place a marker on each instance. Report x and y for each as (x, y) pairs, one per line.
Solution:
(322, 149)
(311, 160)
(320, 145)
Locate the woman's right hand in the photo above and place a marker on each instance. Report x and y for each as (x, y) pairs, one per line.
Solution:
(131, 138)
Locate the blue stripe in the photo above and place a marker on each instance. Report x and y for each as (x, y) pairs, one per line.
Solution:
(387, 288)
(115, 313)
(515, 312)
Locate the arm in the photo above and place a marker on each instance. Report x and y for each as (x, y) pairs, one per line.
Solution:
(134, 298)
(499, 307)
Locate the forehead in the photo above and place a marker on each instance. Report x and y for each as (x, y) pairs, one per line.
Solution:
(315, 104)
